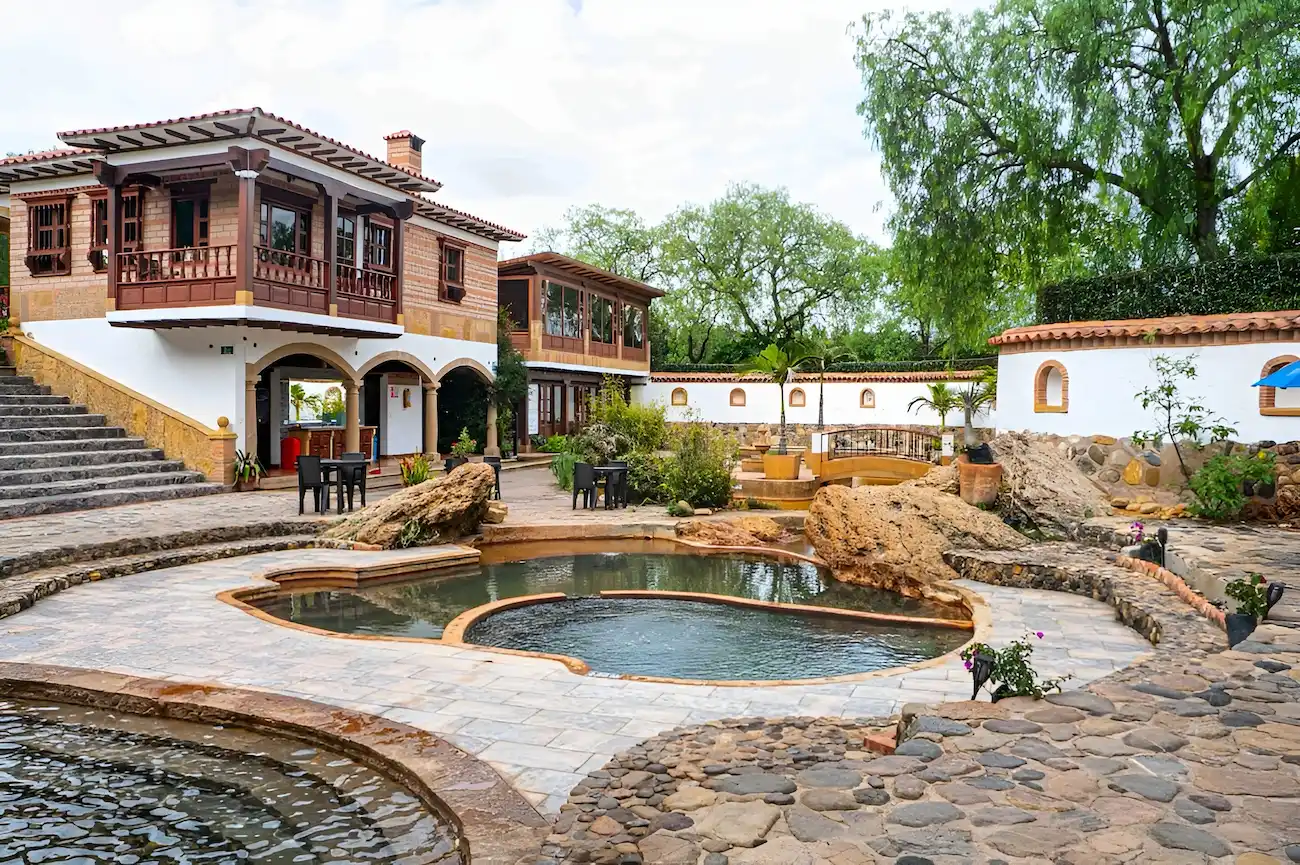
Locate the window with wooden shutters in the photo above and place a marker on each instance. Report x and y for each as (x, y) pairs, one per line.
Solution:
(190, 220)
(48, 241)
(129, 231)
(452, 282)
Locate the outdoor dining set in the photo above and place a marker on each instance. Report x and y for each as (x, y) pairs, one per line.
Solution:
(590, 481)
(319, 474)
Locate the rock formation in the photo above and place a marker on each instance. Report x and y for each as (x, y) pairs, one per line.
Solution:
(740, 532)
(895, 537)
(436, 511)
(1043, 490)
(941, 478)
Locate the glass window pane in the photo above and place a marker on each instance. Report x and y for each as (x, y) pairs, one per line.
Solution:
(572, 324)
(554, 309)
(183, 222)
(283, 229)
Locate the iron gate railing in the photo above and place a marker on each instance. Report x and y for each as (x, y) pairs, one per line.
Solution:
(908, 444)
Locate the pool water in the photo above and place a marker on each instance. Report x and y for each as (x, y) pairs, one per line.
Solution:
(422, 606)
(87, 785)
(684, 639)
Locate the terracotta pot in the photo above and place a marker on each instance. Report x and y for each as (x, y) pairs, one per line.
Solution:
(781, 467)
(978, 483)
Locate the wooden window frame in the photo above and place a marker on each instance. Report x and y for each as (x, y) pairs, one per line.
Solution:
(60, 256)
(867, 399)
(803, 398)
(356, 239)
(301, 227)
(628, 308)
(737, 397)
(200, 194)
(1041, 405)
(1268, 406)
(563, 341)
(132, 197)
(451, 290)
(593, 300)
(673, 397)
(372, 223)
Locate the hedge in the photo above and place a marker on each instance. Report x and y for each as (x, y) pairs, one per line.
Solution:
(1215, 287)
(854, 366)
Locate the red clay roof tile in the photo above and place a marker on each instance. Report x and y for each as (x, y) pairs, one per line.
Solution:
(1137, 327)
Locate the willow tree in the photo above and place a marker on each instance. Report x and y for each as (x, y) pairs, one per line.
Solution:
(1159, 114)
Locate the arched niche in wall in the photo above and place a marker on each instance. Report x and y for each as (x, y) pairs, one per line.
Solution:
(738, 396)
(1268, 396)
(1051, 387)
(679, 396)
(798, 398)
(867, 399)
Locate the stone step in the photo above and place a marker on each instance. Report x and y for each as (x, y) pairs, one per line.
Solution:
(67, 459)
(13, 399)
(58, 446)
(141, 480)
(8, 371)
(136, 463)
(36, 410)
(61, 433)
(15, 379)
(13, 389)
(102, 499)
(51, 420)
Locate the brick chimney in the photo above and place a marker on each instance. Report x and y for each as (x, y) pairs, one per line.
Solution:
(404, 150)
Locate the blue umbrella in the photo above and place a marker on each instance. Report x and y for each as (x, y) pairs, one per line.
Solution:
(1287, 376)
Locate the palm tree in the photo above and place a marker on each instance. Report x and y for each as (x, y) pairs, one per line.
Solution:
(777, 366)
(973, 399)
(942, 400)
(297, 398)
(819, 358)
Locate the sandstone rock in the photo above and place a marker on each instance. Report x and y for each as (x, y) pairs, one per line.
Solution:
(741, 532)
(1133, 473)
(779, 851)
(1043, 490)
(689, 799)
(436, 511)
(895, 537)
(664, 849)
(941, 478)
(742, 824)
(1179, 837)
(496, 512)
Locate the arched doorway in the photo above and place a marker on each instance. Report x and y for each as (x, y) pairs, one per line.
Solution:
(307, 393)
(393, 401)
(464, 402)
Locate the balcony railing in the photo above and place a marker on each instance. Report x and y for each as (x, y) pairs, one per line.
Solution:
(372, 285)
(169, 265)
(289, 268)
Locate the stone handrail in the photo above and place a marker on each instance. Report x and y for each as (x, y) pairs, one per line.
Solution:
(201, 448)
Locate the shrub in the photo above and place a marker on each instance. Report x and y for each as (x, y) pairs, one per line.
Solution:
(463, 446)
(562, 467)
(643, 425)
(1251, 595)
(700, 470)
(1218, 485)
(415, 470)
(645, 477)
(1012, 670)
(599, 443)
(552, 445)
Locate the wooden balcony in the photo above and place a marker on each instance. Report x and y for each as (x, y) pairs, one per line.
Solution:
(365, 293)
(197, 276)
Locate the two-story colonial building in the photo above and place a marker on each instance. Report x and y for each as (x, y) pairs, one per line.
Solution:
(204, 261)
(574, 324)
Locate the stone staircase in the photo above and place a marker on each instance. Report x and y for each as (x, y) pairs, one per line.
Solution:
(56, 457)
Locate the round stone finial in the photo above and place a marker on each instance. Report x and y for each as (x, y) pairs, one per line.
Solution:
(223, 422)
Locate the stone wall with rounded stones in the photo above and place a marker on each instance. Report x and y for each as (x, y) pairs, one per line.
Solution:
(1147, 480)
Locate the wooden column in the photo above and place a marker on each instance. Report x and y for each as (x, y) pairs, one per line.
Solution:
(244, 244)
(250, 416)
(431, 418)
(332, 249)
(108, 176)
(399, 253)
(352, 408)
(491, 447)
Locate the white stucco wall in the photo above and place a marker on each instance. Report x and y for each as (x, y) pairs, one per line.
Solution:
(711, 401)
(403, 429)
(183, 368)
(1103, 382)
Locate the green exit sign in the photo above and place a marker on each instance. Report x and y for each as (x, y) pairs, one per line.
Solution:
(227, 349)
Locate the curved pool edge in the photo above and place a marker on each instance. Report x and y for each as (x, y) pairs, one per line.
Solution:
(496, 823)
(350, 577)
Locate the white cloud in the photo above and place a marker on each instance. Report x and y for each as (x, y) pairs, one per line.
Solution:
(528, 106)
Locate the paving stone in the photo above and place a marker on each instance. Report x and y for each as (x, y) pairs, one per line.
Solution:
(821, 799)
(778, 799)
(919, 814)
(715, 859)
(1192, 812)
(1160, 765)
(994, 760)
(1272, 666)
(1230, 781)
(989, 783)
(1026, 841)
(1027, 775)
(759, 783)
(1035, 749)
(1013, 726)
(742, 824)
(1213, 801)
(808, 825)
(1240, 719)
(1000, 815)
(1154, 739)
(909, 787)
(1146, 786)
(1056, 715)
(939, 726)
(1158, 691)
(839, 779)
(689, 799)
(1179, 837)
(1090, 703)
(961, 794)
(870, 796)
(1102, 747)
(889, 767)
(919, 748)
(662, 849)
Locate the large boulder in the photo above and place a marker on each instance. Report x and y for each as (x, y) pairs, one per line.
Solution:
(941, 478)
(434, 512)
(894, 537)
(1042, 489)
(745, 531)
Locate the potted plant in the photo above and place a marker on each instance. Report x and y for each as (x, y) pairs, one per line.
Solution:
(461, 449)
(777, 366)
(248, 471)
(979, 477)
(415, 470)
(1008, 669)
(1252, 597)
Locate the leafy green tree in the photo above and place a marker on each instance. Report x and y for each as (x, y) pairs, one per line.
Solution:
(1041, 114)
(777, 366)
(818, 355)
(769, 267)
(616, 240)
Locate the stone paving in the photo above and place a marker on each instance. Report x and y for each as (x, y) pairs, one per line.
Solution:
(1191, 755)
(538, 724)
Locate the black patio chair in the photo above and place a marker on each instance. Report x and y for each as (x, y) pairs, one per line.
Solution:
(310, 478)
(620, 490)
(354, 475)
(585, 482)
(495, 462)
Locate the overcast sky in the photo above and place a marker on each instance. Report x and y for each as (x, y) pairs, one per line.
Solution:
(528, 106)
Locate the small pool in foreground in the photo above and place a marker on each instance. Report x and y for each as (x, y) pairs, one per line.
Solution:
(660, 637)
(89, 785)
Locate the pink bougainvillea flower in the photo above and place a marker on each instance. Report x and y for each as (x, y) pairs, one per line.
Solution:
(1038, 634)
(968, 665)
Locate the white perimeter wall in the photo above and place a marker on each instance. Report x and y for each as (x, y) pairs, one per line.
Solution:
(183, 368)
(711, 401)
(1103, 382)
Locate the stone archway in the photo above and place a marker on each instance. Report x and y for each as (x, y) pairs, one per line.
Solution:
(462, 387)
(398, 357)
(351, 382)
